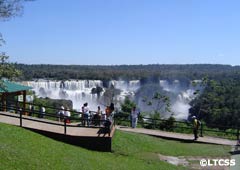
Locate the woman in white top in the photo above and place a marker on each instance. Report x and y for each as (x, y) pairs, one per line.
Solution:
(134, 116)
(67, 113)
(85, 114)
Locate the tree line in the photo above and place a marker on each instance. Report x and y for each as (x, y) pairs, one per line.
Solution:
(152, 72)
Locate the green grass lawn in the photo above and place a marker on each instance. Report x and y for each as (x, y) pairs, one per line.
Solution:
(24, 150)
(131, 143)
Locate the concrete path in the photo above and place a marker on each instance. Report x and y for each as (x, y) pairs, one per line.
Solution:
(179, 136)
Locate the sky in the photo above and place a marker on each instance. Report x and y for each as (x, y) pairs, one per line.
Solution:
(116, 32)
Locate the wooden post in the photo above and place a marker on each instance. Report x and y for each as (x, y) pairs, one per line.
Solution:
(238, 133)
(4, 102)
(201, 130)
(20, 119)
(24, 102)
(65, 126)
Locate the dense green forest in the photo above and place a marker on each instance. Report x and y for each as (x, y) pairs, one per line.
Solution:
(127, 72)
(217, 104)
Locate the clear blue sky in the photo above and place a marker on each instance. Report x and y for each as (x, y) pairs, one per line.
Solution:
(109, 32)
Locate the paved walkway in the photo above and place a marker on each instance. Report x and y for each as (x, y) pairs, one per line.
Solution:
(179, 136)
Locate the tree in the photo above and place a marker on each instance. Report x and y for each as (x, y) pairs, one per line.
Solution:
(8, 9)
(219, 103)
(127, 106)
(159, 102)
(7, 70)
(11, 8)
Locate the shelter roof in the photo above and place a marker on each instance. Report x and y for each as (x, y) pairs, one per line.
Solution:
(11, 87)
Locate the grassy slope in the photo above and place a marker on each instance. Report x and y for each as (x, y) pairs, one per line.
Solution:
(137, 143)
(22, 149)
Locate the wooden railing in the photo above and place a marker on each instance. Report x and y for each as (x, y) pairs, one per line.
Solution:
(173, 125)
(76, 117)
(77, 120)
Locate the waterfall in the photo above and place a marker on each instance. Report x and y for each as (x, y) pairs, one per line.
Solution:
(128, 88)
(181, 106)
(80, 91)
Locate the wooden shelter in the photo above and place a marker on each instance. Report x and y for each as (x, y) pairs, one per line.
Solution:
(8, 90)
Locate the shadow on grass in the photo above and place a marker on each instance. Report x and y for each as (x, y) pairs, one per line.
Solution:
(92, 143)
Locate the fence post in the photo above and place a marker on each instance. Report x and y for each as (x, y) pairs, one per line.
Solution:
(113, 120)
(65, 126)
(20, 118)
(201, 130)
(238, 133)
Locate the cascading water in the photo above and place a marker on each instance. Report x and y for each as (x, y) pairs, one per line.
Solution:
(80, 91)
(180, 107)
(127, 88)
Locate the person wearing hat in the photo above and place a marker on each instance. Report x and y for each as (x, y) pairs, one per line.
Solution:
(196, 125)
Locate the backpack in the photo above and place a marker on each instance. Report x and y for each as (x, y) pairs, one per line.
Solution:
(198, 123)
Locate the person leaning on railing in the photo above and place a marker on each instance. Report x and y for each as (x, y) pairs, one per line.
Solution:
(67, 115)
(41, 111)
(97, 117)
(109, 113)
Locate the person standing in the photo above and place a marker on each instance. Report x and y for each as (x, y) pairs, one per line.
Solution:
(31, 110)
(134, 117)
(42, 112)
(85, 114)
(196, 124)
(67, 115)
(97, 117)
(61, 113)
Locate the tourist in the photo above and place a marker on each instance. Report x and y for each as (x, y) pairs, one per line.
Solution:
(134, 117)
(61, 114)
(67, 115)
(41, 111)
(196, 125)
(97, 117)
(85, 111)
(107, 127)
(31, 110)
(109, 110)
